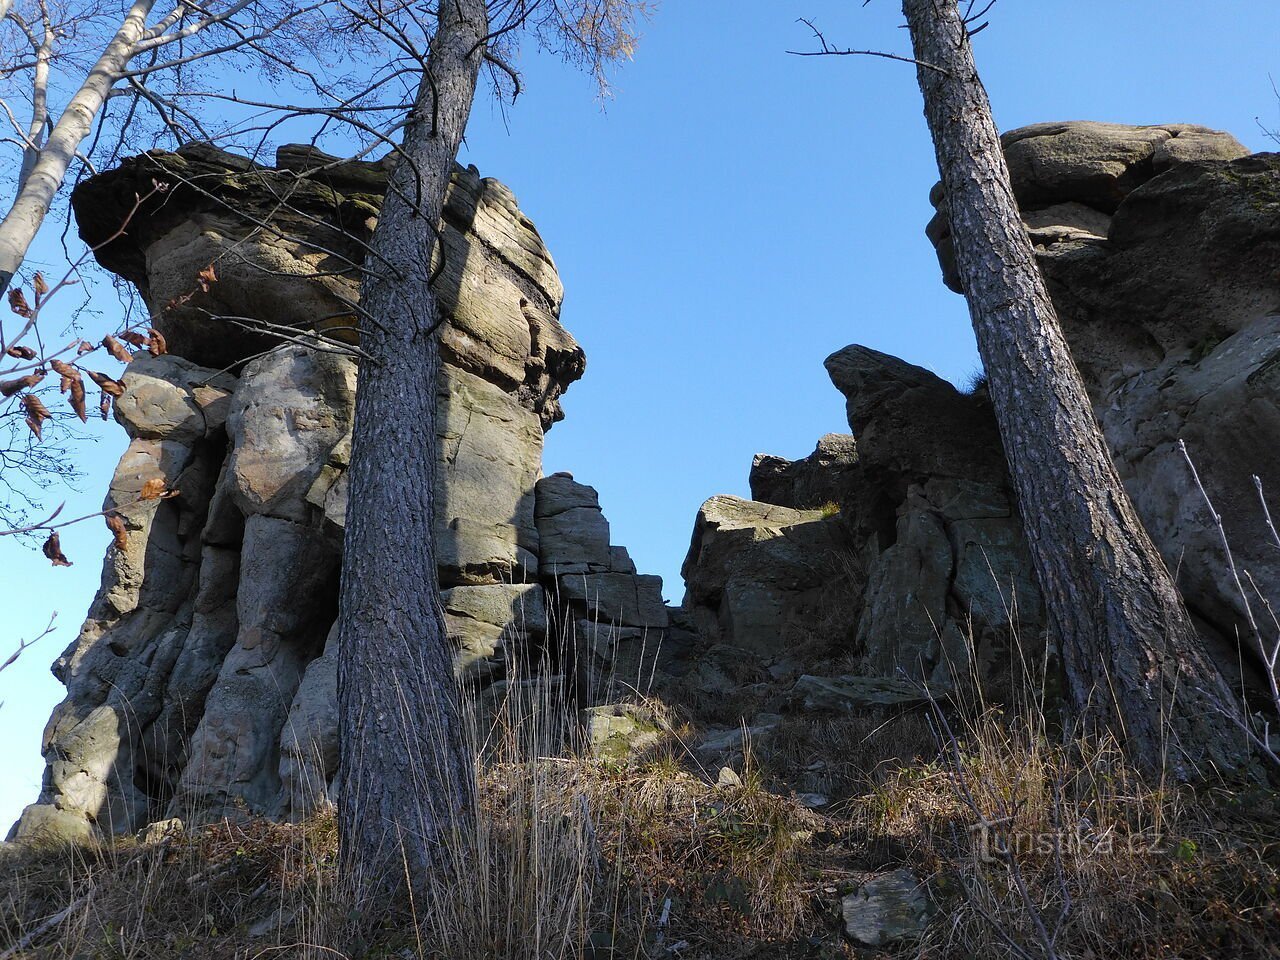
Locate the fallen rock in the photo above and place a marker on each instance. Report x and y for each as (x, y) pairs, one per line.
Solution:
(621, 731)
(889, 908)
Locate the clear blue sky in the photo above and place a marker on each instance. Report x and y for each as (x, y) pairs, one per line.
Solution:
(734, 216)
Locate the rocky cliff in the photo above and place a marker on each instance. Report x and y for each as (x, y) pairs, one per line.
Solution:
(1161, 246)
(203, 682)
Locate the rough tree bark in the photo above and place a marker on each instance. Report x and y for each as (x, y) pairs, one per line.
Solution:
(407, 774)
(1134, 662)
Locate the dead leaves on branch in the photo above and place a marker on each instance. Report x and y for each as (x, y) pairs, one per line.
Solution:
(205, 279)
(37, 413)
(9, 387)
(73, 385)
(108, 385)
(21, 353)
(116, 349)
(53, 550)
(119, 532)
(18, 303)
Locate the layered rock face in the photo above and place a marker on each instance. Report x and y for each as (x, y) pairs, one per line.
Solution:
(1161, 246)
(914, 566)
(203, 683)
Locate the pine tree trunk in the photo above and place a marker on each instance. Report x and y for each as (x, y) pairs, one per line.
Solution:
(1134, 662)
(407, 772)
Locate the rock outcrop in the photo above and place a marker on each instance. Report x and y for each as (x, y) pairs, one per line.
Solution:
(916, 565)
(1161, 248)
(203, 683)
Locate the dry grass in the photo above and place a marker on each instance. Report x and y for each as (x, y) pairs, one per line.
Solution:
(1044, 850)
(570, 855)
(577, 856)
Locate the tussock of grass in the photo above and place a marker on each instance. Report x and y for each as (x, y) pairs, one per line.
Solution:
(1043, 850)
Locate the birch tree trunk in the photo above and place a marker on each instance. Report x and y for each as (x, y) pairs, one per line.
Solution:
(1133, 659)
(47, 174)
(407, 773)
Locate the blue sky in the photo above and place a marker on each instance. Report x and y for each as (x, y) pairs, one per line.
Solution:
(731, 218)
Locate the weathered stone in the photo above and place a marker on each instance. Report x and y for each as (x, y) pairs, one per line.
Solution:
(296, 264)
(491, 454)
(756, 574)
(204, 680)
(820, 480)
(309, 743)
(573, 533)
(619, 598)
(850, 692)
(888, 908)
(484, 622)
(169, 398)
(1173, 324)
(1099, 164)
(232, 767)
(906, 597)
(621, 731)
(292, 407)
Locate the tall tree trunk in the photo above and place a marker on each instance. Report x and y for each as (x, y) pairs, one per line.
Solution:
(407, 773)
(42, 179)
(1133, 659)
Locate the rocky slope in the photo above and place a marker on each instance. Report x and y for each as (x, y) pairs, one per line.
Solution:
(203, 682)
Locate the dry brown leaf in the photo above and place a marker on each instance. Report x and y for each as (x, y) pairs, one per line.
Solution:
(104, 405)
(207, 277)
(9, 387)
(21, 353)
(156, 343)
(108, 385)
(153, 489)
(37, 413)
(115, 523)
(134, 337)
(85, 347)
(77, 399)
(53, 550)
(40, 287)
(18, 303)
(116, 349)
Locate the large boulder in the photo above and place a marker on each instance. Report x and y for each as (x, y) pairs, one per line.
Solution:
(764, 577)
(1169, 296)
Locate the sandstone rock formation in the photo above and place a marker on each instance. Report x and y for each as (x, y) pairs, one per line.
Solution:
(203, 683)
(1161, 247)
(921, 568)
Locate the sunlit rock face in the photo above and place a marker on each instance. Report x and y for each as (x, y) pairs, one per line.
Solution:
(1161, 248)
(203, 683)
